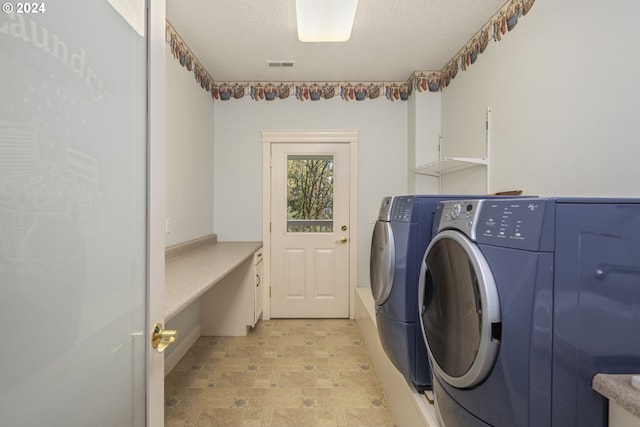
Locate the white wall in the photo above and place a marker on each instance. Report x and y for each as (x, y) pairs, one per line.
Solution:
(565, 97)
(382, 158)
(565, 94)
(424, 120)
(189, 155)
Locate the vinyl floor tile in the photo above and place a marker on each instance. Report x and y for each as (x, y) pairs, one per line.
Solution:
(284, 373)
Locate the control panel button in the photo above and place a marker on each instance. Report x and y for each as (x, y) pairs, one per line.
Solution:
(455, 211)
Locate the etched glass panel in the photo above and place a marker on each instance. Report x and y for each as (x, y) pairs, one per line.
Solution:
(73, 213)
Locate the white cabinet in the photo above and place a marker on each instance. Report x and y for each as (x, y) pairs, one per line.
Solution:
(259, 285)
(234, 304)
(620, 417)
(624, 398)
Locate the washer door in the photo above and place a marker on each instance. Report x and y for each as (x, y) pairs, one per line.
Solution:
(382, 261)
(459, 310)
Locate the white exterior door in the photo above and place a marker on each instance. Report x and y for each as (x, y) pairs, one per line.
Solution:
(75, 247)
(310, 230)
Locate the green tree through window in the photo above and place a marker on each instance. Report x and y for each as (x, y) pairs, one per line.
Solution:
(310, 193)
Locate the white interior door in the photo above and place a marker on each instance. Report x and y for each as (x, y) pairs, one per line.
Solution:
(73, 214)
(310, 230)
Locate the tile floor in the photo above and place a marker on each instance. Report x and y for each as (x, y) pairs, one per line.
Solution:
(285, 373)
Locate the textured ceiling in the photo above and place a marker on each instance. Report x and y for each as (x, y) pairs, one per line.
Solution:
(391, 39)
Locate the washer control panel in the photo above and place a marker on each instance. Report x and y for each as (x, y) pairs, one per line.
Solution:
(402, 209)
(461, 215)
(515, 223)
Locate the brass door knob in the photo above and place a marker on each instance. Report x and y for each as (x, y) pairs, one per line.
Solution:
(161, 339)
(342, 240)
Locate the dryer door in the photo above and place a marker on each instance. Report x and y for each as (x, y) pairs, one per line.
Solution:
(382, 261)
(459, 310)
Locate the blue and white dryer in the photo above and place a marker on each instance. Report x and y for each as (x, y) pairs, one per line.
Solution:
(399, 239)
(404, 224)
(523, 301)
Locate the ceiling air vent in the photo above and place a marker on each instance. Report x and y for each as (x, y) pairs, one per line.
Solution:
(280, 64)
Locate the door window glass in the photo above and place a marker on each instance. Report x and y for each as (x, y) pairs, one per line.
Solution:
(310, 193)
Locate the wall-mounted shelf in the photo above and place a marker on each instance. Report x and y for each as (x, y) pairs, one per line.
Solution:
(446, 165)
(451, 164)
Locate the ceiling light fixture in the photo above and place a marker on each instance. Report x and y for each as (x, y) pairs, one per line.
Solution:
(325, 20)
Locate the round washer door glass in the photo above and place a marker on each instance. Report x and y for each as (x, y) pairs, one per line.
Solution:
(382, 262)
(460, 312)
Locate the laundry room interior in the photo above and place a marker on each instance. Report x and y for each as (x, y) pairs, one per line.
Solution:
(433, 221)
(549, 110)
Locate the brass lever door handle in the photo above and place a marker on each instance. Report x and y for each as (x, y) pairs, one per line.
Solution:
(161, 339)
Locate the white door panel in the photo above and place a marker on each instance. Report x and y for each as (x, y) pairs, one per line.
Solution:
(310, 255)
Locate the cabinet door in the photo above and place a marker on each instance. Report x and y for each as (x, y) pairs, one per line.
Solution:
(259, 289)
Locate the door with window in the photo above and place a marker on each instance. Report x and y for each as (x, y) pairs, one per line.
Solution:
(310, 230)
(74, 242)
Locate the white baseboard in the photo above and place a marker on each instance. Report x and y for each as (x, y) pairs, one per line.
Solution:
(408, 407)
(183, 346)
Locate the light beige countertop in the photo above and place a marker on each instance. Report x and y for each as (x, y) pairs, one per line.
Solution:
(192, 268)
(618, 389)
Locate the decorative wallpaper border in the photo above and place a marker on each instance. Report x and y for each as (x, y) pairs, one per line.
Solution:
(308, 91)
(432, 81)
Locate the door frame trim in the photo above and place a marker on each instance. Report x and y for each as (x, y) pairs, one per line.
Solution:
(351, 137)
(156, 205)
